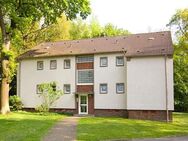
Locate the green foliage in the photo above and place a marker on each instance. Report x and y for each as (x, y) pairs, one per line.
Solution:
(80, 29)
(9, 55)
(180, 21)
(49, 94)
(15, 103)
(111, 30)
(22, 20)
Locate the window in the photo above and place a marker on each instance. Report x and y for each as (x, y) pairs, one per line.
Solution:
(85, 76)
(53, 64)
(120, 88)
(83, 59)
(103, 88)
(40, 65)
(67, 64)
(119, 61)
(67, 89)
(38, 89)
(103, 61)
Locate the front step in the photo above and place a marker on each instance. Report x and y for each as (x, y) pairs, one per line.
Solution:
(84, 115)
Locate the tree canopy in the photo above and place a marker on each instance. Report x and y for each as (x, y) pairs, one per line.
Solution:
(179, 21)
(19, 18)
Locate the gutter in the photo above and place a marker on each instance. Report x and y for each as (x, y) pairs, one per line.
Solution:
(166, 88)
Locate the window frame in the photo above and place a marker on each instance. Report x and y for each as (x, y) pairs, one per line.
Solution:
(101, 61)
(38, 65)
(37, 89)
(117, 61)
(120, 92)
(89, 60)
(64, 88)
(83, 83)
(53, 68)
(106, 88)
(65, 67)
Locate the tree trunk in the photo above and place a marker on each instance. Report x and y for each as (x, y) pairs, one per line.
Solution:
(4, 93)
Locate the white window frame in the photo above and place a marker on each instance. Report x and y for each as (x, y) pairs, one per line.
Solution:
(100, 88)
(117, 63)
(37, 89)
(65, 64)
(85, 83)
(38, 65)
(51, 66)
(101, 63)
(77, 59)
(65, 90)
(120, 92)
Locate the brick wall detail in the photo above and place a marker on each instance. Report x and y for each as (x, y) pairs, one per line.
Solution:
(149, 115)
(85, 88)
(88, 65)
(91, 104)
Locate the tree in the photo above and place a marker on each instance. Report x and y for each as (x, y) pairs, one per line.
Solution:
(50, 94)
(81, 29)
(14, 14)
(180, 21)
(111, 30)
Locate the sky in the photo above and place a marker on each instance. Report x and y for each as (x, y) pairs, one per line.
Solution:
(137, 16)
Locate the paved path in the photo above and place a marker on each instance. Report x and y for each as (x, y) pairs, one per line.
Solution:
(64, 130)
(183, 138)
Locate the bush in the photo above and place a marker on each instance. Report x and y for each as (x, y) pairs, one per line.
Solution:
(49, 94)
(15, 103)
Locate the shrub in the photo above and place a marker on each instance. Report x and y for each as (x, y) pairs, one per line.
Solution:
(49, 94)
(15, 103)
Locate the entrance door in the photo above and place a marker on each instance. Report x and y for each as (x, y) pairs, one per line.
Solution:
(83, 104)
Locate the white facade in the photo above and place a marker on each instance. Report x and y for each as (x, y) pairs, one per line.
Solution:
(110, 75)
(30, 77)
(146, 83)
(143, 78)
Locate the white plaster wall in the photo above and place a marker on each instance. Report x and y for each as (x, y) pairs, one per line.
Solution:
(146, 83)
(111, 75)
(30, 77)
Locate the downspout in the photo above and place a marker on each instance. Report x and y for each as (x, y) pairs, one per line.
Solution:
(166, 89)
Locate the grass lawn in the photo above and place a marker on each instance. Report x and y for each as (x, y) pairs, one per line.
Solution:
(96, 128)
(26, 126)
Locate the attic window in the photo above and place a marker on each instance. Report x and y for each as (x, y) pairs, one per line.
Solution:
(151, 38)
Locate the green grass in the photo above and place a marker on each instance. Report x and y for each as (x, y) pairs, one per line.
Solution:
(96, 128)
(26, 126)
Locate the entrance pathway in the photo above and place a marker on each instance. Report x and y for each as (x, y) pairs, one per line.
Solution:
(64, 130)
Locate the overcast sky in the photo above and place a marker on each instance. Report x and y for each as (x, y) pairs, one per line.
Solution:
(137, 15)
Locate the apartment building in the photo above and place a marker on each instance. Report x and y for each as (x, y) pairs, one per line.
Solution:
(129, 76)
